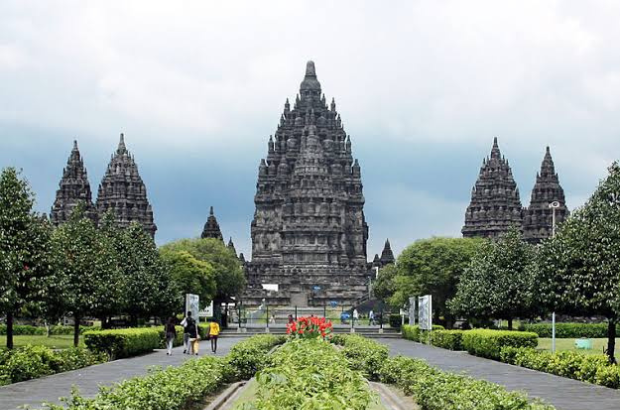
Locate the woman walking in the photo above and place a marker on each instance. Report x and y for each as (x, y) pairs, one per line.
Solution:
(214, 332)
(171, 334)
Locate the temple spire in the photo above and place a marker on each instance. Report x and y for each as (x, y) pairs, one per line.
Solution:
(212, 227)
(387, 256)
(122, 149)
(310, 86)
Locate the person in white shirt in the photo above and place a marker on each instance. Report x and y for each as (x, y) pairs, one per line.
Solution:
(356, 316)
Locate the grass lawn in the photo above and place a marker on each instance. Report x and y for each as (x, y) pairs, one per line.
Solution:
(569, 344)
(54, 342)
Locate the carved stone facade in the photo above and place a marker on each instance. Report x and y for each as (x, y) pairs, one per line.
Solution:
(73, 189)
(538, 217)
(122, 190)
(495, 203)
(309, 233)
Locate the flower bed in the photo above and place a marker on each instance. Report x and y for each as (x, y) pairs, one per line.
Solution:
(586, 368)
(489, 343)
(310, 327)
(31, 362)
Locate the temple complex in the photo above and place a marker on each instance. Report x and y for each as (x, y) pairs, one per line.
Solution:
(122, 191)
(73, 189)
(212, 228)
(309, 233)
(538, 217)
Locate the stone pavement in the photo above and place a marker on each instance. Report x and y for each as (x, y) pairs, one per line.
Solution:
(51, 388)
(563, 393)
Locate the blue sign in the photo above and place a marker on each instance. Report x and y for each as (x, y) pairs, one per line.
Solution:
(316, 288)
(333, 303)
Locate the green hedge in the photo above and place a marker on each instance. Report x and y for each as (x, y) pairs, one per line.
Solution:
(587, 368)
(31, 362)
(364, 354)
(447, 339)
(434, 389)
(21, 330)
(569, 330)
(173, 388)
(413, 332)
(395, 321)
(488, 343)
(249, 356)
(120, 343)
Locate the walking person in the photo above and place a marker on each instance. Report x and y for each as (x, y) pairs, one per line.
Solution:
(371, 318)
(214, 332)
(191, 329)
(171, 334)
(186, 345)
(356, 317)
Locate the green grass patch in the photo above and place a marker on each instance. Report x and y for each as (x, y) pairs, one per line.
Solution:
(53, 342)
(569, 345)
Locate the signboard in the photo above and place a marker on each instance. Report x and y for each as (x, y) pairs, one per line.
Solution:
(208, 311)
(412, 306)
(425, 308)
(270, 286)
(192, 304)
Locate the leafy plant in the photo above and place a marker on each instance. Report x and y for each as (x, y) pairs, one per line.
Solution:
(119, 343)
(249, 356)
(489, 343)
(413, 332)
(448, 339)
(365, 355)
(310, 328)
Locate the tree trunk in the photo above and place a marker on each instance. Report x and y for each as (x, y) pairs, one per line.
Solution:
(9, 330)
(76, 331)
(509, 323)
(611, 341)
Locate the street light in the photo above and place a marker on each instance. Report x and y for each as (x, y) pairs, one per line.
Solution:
(553, 205)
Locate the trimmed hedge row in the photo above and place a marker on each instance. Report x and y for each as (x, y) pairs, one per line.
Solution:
(447, 339)
(21, 330)
(569, 330)
(31, 362)
(586, 368)
(364, 354)
(120, 343)
(175, 388)
(248, 357)
(413, 332)
(488, 343)
(434, 389)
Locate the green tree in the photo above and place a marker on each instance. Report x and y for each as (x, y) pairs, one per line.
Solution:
(229, 277)
(84, 261)
(190, 275)
(499, 282)
(383, 288)
(579, 269)
(432, 267)
(24, 249)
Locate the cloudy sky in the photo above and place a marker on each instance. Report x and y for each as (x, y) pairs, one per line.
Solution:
(422, 86)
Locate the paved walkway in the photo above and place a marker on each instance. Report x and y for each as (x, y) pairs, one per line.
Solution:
(51, 388)
(563, 393)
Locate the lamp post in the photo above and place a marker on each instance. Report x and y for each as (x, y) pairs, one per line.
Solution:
(553, 205)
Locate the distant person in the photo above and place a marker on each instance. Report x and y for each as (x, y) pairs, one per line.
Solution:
(371, 318)
(272, 320)
(214, 332)
(290, 319)
(186, 346)
(356, 316)
(191, 328)
(171, 334)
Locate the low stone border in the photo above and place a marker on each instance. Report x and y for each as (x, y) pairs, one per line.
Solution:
(228, 396)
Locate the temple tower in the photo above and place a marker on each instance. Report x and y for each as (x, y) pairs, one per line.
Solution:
(387, 256)
(309, 233)
(123, 191)
(73, 189)
(212, 228)
(538, 218)
(495, 203)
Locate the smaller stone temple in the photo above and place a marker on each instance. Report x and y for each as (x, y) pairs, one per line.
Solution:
(212, 228)
(386, 258)
(495, 204)
(73, 189)
(538, 217)
(123, 191)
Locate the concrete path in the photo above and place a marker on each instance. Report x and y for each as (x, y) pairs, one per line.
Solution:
(563, 393)
(51, 388)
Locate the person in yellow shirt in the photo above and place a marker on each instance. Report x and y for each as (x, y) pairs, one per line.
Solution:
(214, 332)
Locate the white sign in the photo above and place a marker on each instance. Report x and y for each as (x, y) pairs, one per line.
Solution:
(208, 311)
(425, 307)
(270, 286)
(192, 304)
(412, 306)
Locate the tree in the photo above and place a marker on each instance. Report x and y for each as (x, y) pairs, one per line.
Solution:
(499, 282)
(384, 286)
(190, 275)
(84, 262)
(432, 266)
(24, 249)
(229, 277)
(147, 288)
(580, 267)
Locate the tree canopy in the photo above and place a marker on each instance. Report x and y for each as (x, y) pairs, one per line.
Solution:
(190, 275)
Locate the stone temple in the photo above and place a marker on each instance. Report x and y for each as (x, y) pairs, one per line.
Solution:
(495, 204)
(309, 233)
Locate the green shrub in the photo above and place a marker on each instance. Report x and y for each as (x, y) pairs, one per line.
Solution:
(120, 343)
(19, 330)
(488, 343)
(249, 356)
(413, 332)
(587, 368)
(396, 321)
(31, 362)
(448, 339)
(569, 330)
(434, 389)
(365, 355)
(178, 340)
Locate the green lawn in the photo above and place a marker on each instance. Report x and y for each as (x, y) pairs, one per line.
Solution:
(54, 342)
(569, 344)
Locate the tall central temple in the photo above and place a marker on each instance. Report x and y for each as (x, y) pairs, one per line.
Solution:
(309, 233)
